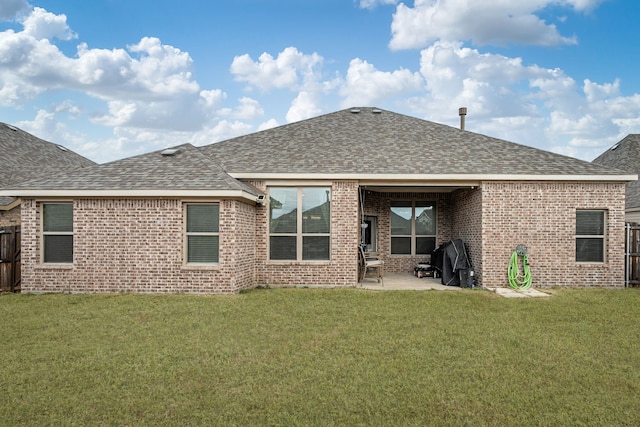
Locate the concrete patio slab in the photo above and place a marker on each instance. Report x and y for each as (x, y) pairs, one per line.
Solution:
(513, 293)
(406, 282)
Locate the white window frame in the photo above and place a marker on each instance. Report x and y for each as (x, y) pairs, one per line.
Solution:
(413, 235)
(602, 237)
(187, 234)
(44, 234)
(299, 233)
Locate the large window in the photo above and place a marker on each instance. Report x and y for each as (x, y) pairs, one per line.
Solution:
(299, 223)
(590, 235)
(202, 238)
(413, 227)
(57, 232)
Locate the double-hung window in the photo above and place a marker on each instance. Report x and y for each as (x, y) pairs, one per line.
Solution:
(590, 235)
(413, 227)
(57, 232)
(202, 233)
(299, 223)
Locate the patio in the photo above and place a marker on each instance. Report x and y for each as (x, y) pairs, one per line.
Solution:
(404, 281)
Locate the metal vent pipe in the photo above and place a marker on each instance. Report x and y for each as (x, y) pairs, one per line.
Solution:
(462, 112)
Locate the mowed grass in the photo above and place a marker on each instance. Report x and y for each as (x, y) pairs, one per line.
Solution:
(300, 357)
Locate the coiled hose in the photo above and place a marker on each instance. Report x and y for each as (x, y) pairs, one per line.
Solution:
(519, 281)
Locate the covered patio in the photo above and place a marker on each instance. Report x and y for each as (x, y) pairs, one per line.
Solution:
(404, 282)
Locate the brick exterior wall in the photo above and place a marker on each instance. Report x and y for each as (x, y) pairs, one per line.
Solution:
(467, 226)
(542, 216)
(10, 217)
(136, 245)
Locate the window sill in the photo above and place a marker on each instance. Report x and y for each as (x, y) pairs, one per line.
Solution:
(54, 266)
(296, 262)
(209, 267)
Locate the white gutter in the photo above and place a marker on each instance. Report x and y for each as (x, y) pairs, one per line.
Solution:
(432, 179)
(220, 194)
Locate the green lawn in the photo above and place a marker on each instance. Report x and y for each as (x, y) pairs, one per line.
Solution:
(322, 357)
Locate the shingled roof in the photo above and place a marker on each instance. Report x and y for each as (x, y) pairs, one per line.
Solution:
(367, 144)
(24, 157)
(362, 141)
(182, 170)
(625, 156)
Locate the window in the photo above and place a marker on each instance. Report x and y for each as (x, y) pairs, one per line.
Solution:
(590, 233)
(299, 223)
(202, 236)
(413, 227)
(57, 232)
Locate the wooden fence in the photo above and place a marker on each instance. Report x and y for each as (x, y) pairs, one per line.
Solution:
(632, 255)
(10, 259)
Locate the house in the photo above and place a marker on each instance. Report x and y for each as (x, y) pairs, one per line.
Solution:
(625, 156)
(24, 157)
(284, 207)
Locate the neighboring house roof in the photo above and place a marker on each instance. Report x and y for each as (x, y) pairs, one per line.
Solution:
(24, 157)
(372, 141)
(625, 156)
(181, 170)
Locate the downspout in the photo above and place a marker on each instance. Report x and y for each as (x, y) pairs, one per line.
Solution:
(627, 256)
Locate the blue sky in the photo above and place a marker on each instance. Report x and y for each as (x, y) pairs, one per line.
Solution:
(114, 78)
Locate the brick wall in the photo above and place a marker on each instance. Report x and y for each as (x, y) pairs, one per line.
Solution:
(136, 245)
(542, 216)
(467, 226)
(10, 217)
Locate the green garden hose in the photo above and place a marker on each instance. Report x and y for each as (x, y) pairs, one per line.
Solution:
(519, 281)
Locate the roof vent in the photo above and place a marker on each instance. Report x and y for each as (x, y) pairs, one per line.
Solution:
(462, 112)
(60, 147)
(615, 146)
(169, 152)
(13, 128)
(355, 110)
(376, 111)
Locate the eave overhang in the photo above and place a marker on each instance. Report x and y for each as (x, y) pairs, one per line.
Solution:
(178, 194)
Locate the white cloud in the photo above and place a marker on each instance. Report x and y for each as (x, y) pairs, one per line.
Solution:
(528, 104)
(367, 86)
(12, 9)
(46, 25)
(303, 107)
(492, 22)
(372, 4)
(288, 71)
